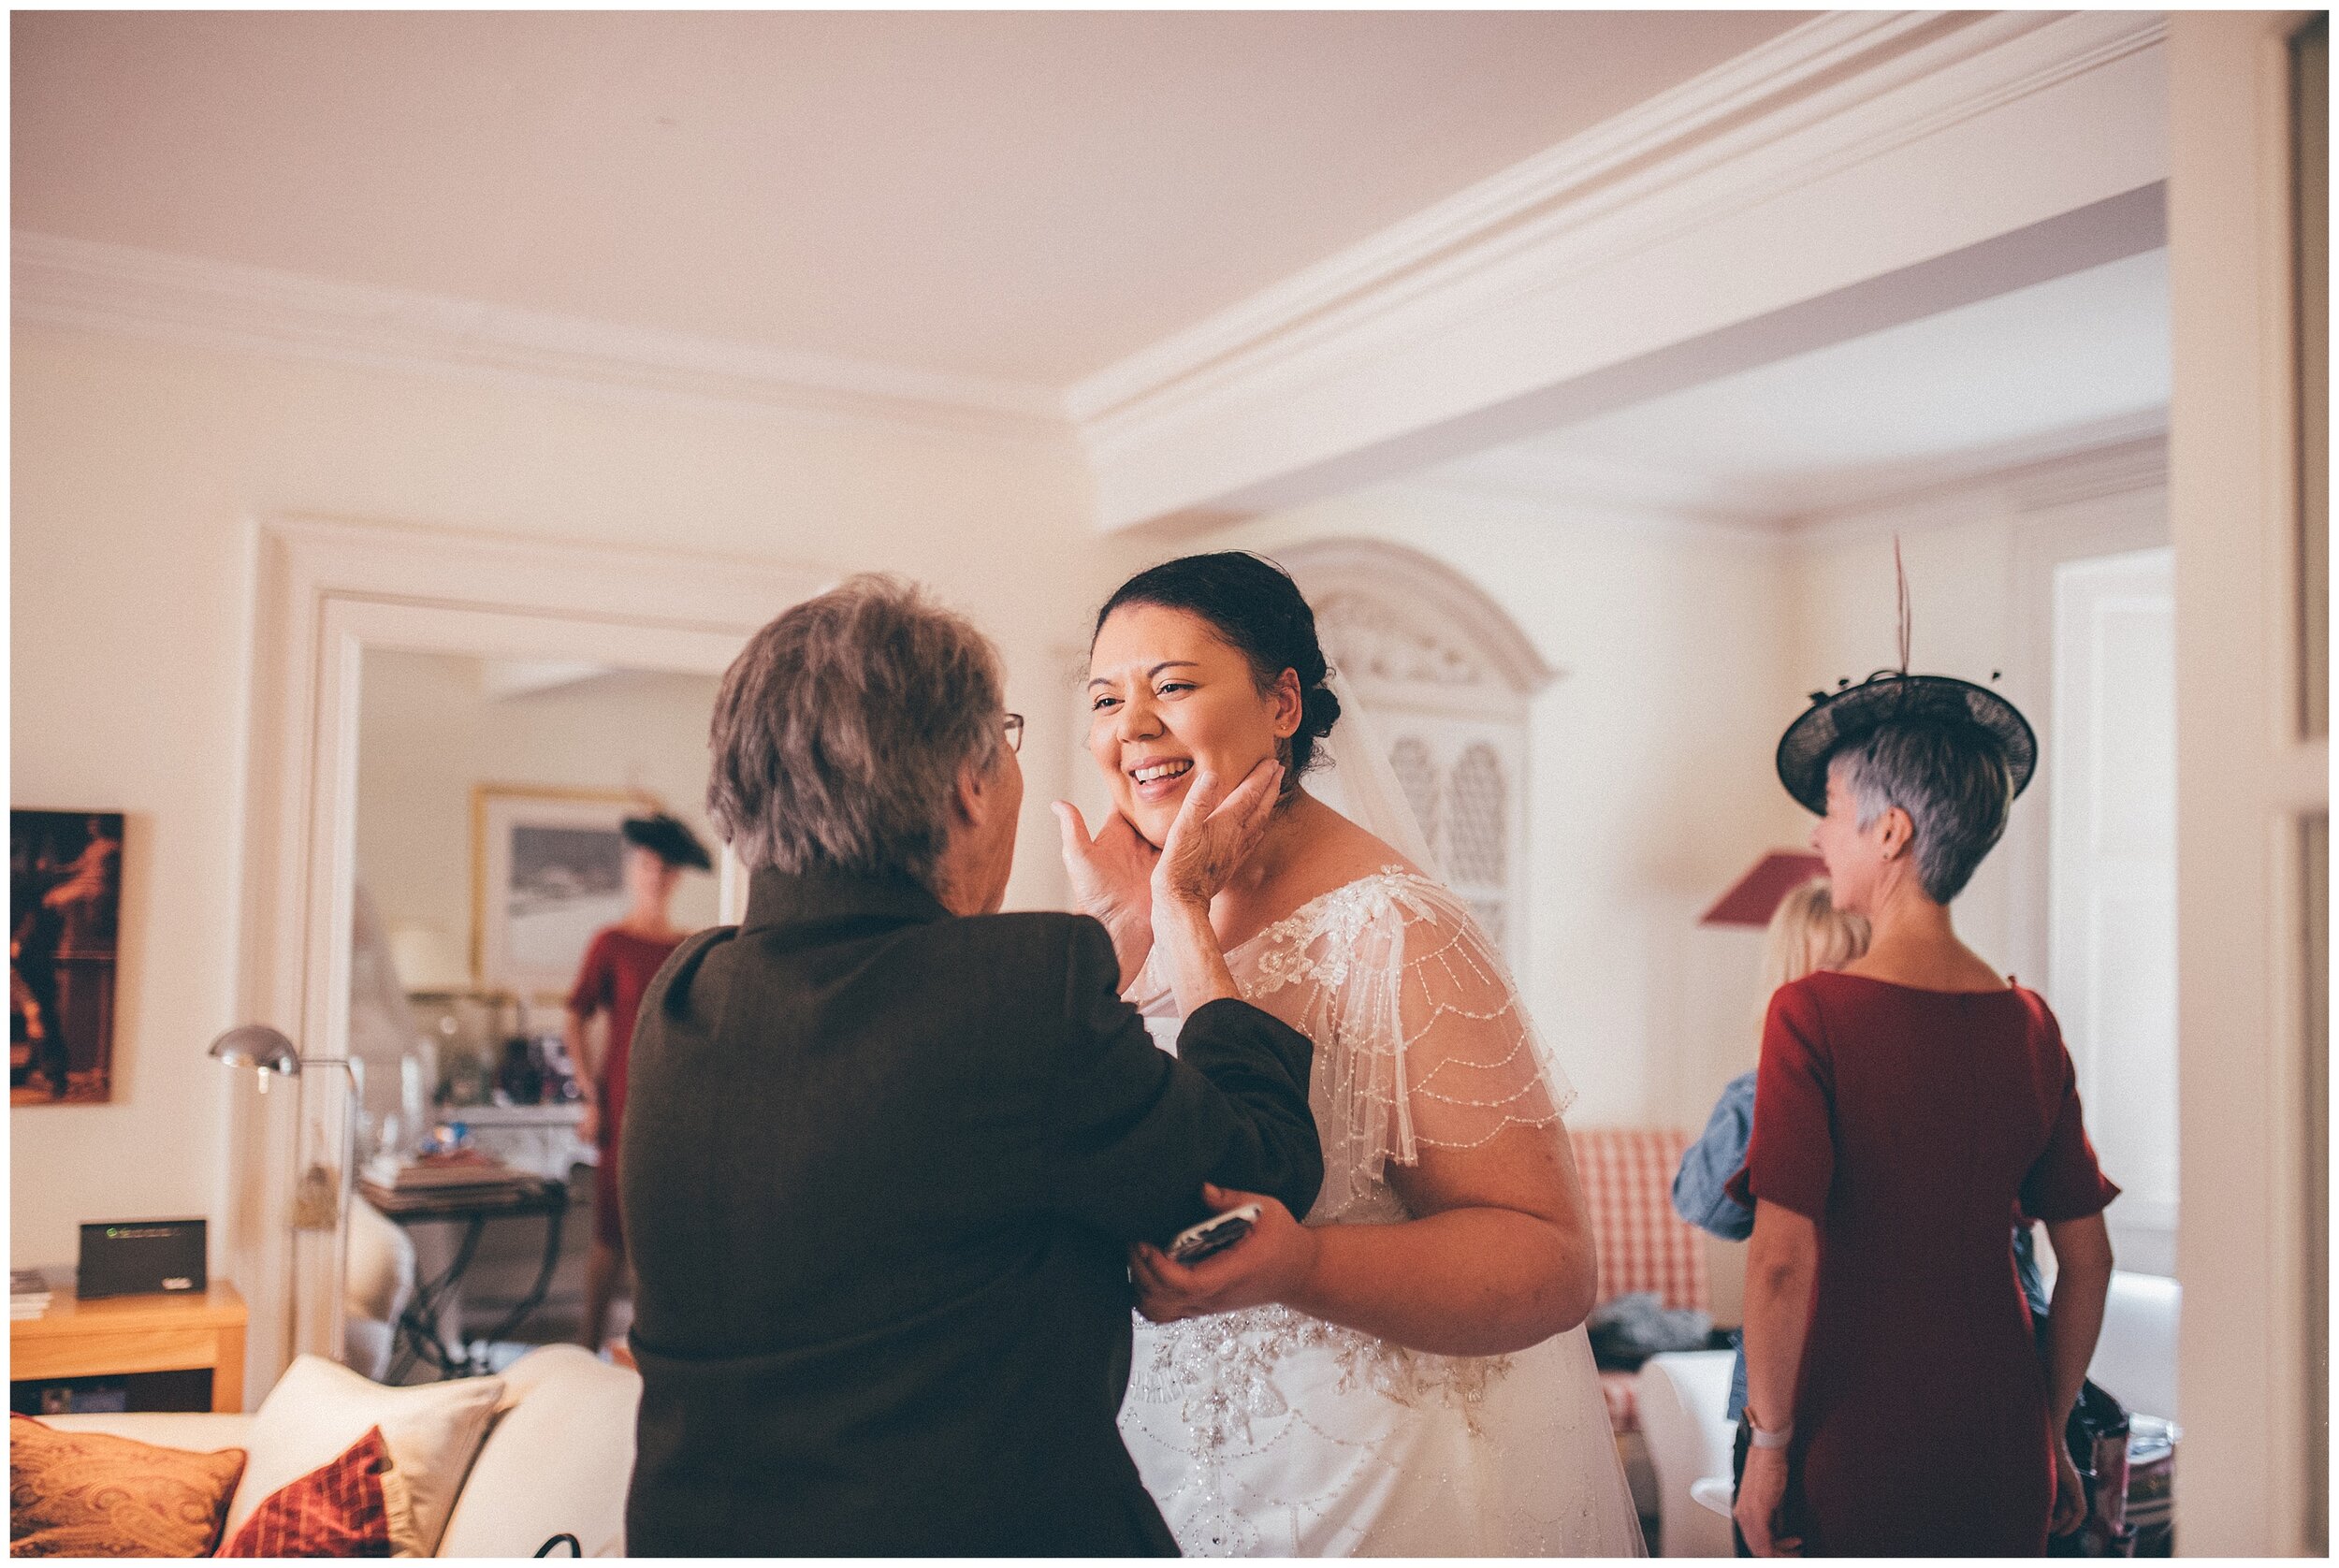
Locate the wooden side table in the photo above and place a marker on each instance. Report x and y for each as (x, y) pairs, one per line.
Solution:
(122, 1335)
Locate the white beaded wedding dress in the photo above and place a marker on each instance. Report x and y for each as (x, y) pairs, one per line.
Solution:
(1268, 1432)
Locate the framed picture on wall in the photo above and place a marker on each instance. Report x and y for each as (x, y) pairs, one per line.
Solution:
(64, 917)
(548, 871)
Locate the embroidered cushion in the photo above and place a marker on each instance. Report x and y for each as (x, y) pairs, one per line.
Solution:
(342, 1508)
(318, 1410)
(91, 1494)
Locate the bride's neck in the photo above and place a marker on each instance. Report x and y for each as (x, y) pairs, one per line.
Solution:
(1288, 833)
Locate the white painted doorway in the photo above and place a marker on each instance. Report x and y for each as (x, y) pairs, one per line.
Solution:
(2111, 880)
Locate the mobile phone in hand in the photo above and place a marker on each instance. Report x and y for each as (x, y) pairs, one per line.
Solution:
(1213, 1235)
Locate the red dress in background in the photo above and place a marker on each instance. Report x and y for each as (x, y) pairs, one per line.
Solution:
(1915, 1126)
(617, 968)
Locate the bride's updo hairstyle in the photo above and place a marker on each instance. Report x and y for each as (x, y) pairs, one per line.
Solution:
(1258, 610)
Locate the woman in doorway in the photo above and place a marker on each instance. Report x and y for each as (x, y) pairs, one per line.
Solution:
(1907, 1107)
(617, 968)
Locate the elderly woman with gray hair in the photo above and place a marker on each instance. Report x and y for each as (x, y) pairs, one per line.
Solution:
(886, 1148)
(1907, 1107)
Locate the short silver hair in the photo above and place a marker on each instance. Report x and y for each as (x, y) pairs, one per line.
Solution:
(1953, 781)
(841, 727)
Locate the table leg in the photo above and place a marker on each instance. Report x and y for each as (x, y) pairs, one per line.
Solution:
(227, 1370)
(535, 1296)
(418, 1329)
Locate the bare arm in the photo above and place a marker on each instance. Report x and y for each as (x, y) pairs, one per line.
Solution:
(1501, 1257)
(1781, 1267)
(1189, 947)
(2083, 1277)
(575, 1036)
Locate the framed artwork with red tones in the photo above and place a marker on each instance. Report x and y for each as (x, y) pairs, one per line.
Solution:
(65, 919)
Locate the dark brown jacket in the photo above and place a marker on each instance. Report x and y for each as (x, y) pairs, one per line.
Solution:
(880, 1168)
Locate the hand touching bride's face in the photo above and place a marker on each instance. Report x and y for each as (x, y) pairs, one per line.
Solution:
(1169, 698)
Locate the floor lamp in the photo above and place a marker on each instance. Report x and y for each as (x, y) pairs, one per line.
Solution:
(317, 1196)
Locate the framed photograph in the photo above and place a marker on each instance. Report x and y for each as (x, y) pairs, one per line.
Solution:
(548, 871)
(64, 917)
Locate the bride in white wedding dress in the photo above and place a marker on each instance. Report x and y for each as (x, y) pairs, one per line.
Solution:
(1404, 1374)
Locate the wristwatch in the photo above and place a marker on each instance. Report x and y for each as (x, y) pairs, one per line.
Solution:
(1761, 1438)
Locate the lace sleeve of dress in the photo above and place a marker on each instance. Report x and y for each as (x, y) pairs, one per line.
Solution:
(1437, 1048)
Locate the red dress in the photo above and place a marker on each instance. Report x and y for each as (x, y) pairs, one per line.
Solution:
(617, 968)
(1915, 1126)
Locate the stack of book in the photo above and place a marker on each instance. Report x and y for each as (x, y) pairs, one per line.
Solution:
(391, 1183)
(28, 1294)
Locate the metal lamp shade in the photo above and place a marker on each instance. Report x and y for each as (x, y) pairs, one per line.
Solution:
(256, 1045)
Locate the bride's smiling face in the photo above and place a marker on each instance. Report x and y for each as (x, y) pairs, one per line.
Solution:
(1169, 698)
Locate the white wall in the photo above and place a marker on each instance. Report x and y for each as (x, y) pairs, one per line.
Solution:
(428, 732)
(1683, 652)
(1965, 618)
(1651, 788)
(1981, 562)
(138, 469)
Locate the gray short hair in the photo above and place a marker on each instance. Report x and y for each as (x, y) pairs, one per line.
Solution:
(1950, 779)
(841, 727)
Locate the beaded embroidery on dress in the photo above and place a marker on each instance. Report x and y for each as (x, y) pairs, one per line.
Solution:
(1269, 1432)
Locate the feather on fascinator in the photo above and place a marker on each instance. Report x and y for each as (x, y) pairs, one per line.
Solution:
(1850, 712)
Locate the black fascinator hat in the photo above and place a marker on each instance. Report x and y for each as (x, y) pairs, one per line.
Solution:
(667, 839)
(1850, 713)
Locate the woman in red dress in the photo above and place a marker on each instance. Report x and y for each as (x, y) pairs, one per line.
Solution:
(619, 966)
(1907, 1108)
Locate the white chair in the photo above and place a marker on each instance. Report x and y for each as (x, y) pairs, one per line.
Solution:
(379, 1281)
(1681, 1398)
(2135, 1357)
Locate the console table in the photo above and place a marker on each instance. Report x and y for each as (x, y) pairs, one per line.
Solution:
(123, 1335)
(420, 1334)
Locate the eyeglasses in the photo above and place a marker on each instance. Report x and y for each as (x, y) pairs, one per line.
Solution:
(1014, 732)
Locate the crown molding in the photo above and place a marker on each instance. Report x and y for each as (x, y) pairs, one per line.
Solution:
(2121, 456)
(1540, 473)
(2133, 465)
(1496, 206)
(214, 304)
(1258, 389)
(1842, 91)
(1518, 493)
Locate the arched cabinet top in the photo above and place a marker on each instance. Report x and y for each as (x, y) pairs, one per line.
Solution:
(1411, 630)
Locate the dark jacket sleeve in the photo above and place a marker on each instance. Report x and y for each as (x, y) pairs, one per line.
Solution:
(1138, 1131)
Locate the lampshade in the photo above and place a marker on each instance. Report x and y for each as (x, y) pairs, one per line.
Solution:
(256, 1045)
(1755, 896)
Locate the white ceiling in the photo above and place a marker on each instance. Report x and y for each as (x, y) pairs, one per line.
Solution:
(1019, 201)
(1024, 196)
(2078, 361)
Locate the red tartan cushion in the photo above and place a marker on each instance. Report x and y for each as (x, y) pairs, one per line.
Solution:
(1644, 1245)
(339, 1509)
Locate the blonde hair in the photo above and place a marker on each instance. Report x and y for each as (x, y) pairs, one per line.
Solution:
(1808, 932)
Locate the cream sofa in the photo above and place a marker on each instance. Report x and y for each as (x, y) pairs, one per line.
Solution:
(557, 1459)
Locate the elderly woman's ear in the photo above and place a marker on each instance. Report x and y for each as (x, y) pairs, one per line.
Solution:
(1900, 833)
(975, 792)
